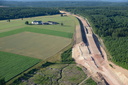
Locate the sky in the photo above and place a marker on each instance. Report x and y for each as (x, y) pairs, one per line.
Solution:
(71, 0)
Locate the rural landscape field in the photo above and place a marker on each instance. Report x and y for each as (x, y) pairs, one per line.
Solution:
(25, 46)
(70, 42)
(20, 42)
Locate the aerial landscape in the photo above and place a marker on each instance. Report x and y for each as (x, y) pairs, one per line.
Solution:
(63, 42)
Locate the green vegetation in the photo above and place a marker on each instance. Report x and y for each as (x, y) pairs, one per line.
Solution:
(2, 81)
(49, 75)
(66, 56)
(26, 22)
(111, 65)
(79, 68)
(90, 82)
(35, 45)
(71, 75)
(57, 74)
(68, 21)
(37, 30)
(38, 41)
(13, 64)
(57, 3)
(118, 50)
(15, 13)
(32, 39)
(110, 23)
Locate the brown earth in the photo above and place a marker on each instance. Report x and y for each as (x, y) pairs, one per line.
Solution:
(94, 58)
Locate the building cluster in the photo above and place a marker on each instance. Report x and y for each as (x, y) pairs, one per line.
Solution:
(44, 23)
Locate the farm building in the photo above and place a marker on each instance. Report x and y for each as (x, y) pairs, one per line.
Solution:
(37, 22)
(51, 22)
(44, 23)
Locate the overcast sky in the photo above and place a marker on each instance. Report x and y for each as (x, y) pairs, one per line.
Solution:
(70, 0)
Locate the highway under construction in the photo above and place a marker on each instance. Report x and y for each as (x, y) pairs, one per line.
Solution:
(89, 54)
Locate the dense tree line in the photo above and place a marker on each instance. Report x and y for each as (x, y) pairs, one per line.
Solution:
(59, 3)
(110, 23)
(19, 12)
(2, 81)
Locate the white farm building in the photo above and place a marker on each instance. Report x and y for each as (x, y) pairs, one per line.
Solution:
(44, 23)
(37, 22)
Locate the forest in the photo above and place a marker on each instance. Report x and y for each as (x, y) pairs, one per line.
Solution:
(111, 24)
(24, 12)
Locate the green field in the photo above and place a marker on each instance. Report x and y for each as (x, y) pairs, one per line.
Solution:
(37, 30)
(64, 72)
(36, 45)
(68, 21)
(13, 64)
(38, 41)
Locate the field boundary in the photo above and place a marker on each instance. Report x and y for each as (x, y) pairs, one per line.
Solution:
(18, 57)
(37, 30)
(55, 58)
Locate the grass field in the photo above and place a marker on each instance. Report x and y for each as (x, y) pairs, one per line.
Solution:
(37, 30)
(33, 44)
(38, 41)
(57, 73)
(13, 64)
(68, 21)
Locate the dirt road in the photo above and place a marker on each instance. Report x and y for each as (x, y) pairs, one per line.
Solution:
(93, 57)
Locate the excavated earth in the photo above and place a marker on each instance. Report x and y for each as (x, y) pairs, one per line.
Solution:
(91, 55)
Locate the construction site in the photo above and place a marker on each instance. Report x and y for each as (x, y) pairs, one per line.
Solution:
(89, 54)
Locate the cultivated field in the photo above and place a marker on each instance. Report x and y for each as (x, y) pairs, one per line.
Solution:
(68, 21)
(35, 45)
(13, 64)
(37, 30)
(38, 41)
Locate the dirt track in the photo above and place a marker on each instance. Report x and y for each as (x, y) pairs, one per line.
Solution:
(93, 57)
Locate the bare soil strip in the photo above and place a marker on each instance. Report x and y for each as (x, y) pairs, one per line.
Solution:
(94, 58)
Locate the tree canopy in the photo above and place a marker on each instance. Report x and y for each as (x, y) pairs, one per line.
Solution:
(19, 12)
(111, 24)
